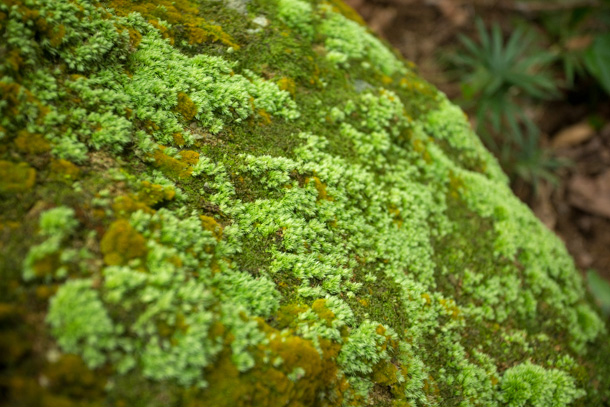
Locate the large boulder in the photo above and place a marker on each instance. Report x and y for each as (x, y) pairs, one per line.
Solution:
(257, 203)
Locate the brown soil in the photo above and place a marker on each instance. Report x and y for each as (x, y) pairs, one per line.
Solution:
(578, 208)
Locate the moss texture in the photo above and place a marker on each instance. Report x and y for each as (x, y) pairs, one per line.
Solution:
(257, 203)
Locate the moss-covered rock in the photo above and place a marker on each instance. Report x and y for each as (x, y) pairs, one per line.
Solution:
(257, 203)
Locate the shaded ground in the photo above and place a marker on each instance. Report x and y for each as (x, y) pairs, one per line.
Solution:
(576, 128)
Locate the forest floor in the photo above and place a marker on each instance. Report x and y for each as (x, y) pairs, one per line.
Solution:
(577, 208)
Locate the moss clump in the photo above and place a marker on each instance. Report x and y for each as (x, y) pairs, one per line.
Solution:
(528, 384)
(16, 177)
(300, 220)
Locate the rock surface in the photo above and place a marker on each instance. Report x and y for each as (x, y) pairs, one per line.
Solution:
(257, 203)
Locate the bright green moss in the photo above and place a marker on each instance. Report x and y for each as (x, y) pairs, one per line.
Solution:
(80, 322)
(58, 222)
(347, 40)
(298, 15)
(297, 221)
(530, 385)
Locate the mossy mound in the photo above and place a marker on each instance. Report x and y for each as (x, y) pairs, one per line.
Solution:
(256, 203)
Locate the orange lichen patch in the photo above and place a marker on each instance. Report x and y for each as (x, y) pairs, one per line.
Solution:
(386, 80)
(125, 205)
(16, 177)
(183, 15)
(122, 243)
(209, 223)
(179, 139)
(189, 157)
(300, 353)
(384, 373)
(151, 194)
(186, 107)
(64, 170)
(319, 307)
(209, 32)
(29, 143)
(321, 187)
(173, 167)
(135, 37)
(287, 84)
(296, 375)
(364, 302)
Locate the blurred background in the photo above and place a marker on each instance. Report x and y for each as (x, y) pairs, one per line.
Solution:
(534, 78)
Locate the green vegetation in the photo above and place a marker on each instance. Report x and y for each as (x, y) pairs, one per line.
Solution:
(504, 78)
(498, 81)
(261, 205)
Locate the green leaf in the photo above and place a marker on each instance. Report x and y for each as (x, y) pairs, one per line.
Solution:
(600, 288)
(597, 60)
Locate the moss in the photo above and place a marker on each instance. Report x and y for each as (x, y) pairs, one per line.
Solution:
(288, 85)
(125, 205)
(183, 15)
(152, 194)
(298, 221)
(122, 243)
(31, 143)
(64, 170)
(16, 177)
(316, 374)
(210, 224)
(171, 166)
(533, 385)
(186, 107)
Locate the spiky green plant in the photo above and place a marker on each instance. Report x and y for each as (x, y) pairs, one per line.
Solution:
(500, 80)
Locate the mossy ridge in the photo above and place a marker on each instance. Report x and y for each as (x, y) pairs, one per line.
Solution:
(319, 199)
